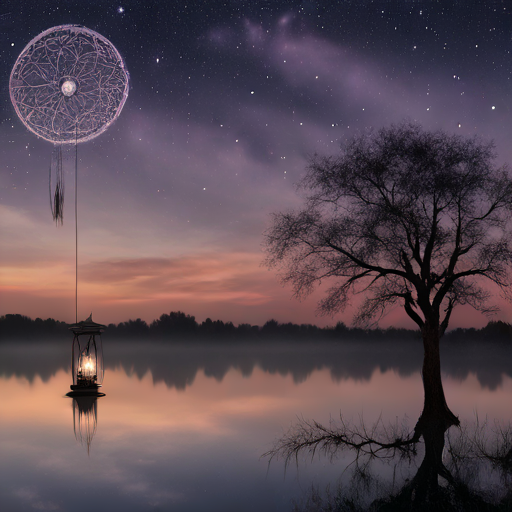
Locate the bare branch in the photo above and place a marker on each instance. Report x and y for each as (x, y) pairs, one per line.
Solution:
(311, 437)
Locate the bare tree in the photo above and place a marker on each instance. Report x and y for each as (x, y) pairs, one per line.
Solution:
(407, 217)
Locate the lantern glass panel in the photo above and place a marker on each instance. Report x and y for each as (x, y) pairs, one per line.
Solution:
(87, 360)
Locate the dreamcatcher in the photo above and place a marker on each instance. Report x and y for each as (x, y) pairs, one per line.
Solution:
(67, 86)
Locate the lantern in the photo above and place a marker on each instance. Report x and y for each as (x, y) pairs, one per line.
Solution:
(87, 358)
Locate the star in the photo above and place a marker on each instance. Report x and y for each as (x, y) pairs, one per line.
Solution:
(120, 10)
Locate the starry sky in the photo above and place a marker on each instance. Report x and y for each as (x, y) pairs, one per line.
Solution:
(227, 101)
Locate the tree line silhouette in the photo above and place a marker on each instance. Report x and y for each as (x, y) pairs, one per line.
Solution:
(178, 326)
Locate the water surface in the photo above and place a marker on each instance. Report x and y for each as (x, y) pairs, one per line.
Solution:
(183, 428)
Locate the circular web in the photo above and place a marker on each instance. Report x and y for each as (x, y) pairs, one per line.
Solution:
(69, 83)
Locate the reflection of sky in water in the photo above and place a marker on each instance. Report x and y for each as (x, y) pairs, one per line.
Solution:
(161, 447)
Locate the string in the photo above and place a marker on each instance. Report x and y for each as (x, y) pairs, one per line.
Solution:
(76, 225)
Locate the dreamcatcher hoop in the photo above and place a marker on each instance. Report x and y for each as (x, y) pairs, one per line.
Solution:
(69, 84)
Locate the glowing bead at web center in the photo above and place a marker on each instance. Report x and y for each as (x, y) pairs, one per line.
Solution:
(68, 88)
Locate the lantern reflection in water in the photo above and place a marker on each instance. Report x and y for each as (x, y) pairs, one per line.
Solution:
(85, 418)
(87, 358)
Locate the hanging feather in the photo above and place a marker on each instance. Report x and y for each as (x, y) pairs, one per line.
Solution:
(57, 194)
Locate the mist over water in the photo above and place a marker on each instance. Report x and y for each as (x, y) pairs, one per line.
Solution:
(176, 364)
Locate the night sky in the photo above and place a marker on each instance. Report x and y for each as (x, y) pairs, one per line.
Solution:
(227, 100)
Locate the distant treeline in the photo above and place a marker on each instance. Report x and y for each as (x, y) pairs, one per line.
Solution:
(180, 326)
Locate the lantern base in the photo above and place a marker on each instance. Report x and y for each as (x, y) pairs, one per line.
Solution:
(92, 390)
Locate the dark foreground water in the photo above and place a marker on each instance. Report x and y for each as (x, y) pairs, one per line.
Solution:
(184, 429)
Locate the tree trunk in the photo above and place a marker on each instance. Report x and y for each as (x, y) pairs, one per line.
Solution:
(436, 412)
(423, 492)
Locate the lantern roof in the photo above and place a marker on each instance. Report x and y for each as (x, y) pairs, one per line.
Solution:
(87, 327)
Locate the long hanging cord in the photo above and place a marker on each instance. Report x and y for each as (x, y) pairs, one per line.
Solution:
(76, 225)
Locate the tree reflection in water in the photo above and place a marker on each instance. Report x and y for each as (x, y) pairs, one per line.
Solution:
(85, 418)
(466, 468)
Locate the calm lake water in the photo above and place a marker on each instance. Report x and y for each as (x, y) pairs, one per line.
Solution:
(184, 428)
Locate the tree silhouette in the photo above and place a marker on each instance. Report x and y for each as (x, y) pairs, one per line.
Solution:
(407, 217)
(175, 323)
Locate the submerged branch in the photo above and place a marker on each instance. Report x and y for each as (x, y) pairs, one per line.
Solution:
(310, 437)
(481, 442)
